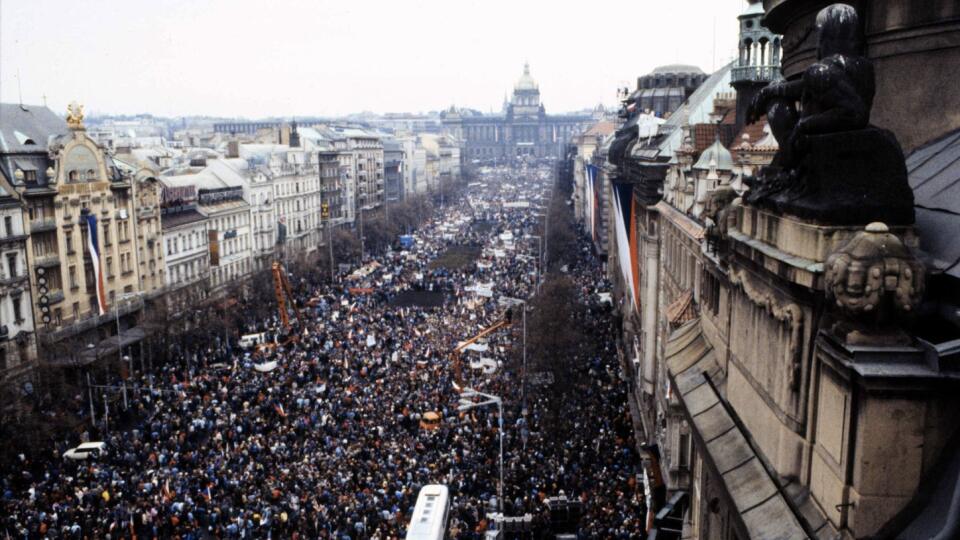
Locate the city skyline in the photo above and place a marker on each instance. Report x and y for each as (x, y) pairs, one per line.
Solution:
(135, 64)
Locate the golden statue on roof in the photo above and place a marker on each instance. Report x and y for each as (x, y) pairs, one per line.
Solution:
(75, 115)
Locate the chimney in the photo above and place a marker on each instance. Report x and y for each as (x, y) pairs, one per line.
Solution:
(233, 149)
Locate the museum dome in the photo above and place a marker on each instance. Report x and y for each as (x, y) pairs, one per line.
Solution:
(526, 82)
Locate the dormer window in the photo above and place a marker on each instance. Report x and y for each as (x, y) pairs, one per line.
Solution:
(23, 138)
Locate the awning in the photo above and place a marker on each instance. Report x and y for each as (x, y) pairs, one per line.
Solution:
(25, 165)
(108, 346)
(682, 309)
(693, 370)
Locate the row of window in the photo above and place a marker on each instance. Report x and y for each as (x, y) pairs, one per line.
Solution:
(678, 261)
(185, 272)
(185, 242)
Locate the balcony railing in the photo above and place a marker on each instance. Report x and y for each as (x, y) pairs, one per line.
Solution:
(43, 225)
(47, 261)
(755, 73)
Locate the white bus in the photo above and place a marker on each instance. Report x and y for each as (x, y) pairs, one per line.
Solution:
(429, 521)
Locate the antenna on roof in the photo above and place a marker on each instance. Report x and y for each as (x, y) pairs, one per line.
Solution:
(20, 90)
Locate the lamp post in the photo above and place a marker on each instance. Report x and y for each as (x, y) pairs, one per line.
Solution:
(120, 356)
(467, 403)
(539, 258)
(363, 198)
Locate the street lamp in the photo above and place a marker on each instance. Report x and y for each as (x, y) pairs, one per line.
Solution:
(539, 258)
(467, 403)
(120, 356)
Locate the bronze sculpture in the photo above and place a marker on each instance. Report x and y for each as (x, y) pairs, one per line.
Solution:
(832, 166)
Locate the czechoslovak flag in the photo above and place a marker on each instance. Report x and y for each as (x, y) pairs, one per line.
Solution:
(94, 249)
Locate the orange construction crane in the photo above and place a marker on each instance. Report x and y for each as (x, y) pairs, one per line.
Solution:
(281, 288)
(505, 321)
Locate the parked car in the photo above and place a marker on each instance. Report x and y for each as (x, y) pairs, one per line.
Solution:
(86, 450)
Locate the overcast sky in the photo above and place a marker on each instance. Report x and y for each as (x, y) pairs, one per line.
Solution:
(255, 58)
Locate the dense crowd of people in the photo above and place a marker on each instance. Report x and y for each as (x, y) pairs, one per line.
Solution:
(330, 442)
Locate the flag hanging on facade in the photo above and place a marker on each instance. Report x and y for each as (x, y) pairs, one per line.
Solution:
(93, 247)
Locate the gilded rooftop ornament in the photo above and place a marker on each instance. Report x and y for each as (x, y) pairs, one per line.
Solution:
(75, 115)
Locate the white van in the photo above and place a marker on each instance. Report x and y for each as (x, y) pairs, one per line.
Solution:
(86, 450)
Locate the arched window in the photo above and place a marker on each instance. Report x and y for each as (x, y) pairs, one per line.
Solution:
(764, 58)
(747, 51)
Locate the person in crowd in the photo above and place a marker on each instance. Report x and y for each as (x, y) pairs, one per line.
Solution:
(329, 444)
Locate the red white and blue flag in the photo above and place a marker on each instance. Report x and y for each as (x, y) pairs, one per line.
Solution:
(93, 247)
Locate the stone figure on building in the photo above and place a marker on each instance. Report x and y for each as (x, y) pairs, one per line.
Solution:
(832, 166)
(874, 281)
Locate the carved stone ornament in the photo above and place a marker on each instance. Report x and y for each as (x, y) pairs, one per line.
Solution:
(832, 166)
(716, 212)
(874, 281)
(75, 115)
(787, 313)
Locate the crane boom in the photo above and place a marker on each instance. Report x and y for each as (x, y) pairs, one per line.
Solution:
(505, 321)
(281, 289)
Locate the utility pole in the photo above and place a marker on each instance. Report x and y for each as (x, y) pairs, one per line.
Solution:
(93, 409)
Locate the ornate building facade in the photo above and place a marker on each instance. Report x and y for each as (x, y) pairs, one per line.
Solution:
(522, 128)
(793, 367)
(68, 184)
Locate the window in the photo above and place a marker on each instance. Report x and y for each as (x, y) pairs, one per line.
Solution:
(12, 265)
(73, 277)
(711, 292)
(58, 316)
(53, 279)
(106, 234)
(683, 456)
(89, 279)
(17, 313)
(30, 176)
(8, 225)
(76, 310)
(68, 242)
(109, 267)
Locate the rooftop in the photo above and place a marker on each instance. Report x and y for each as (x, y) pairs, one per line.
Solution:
(934, 171)
(677, 68)
(28, 128)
